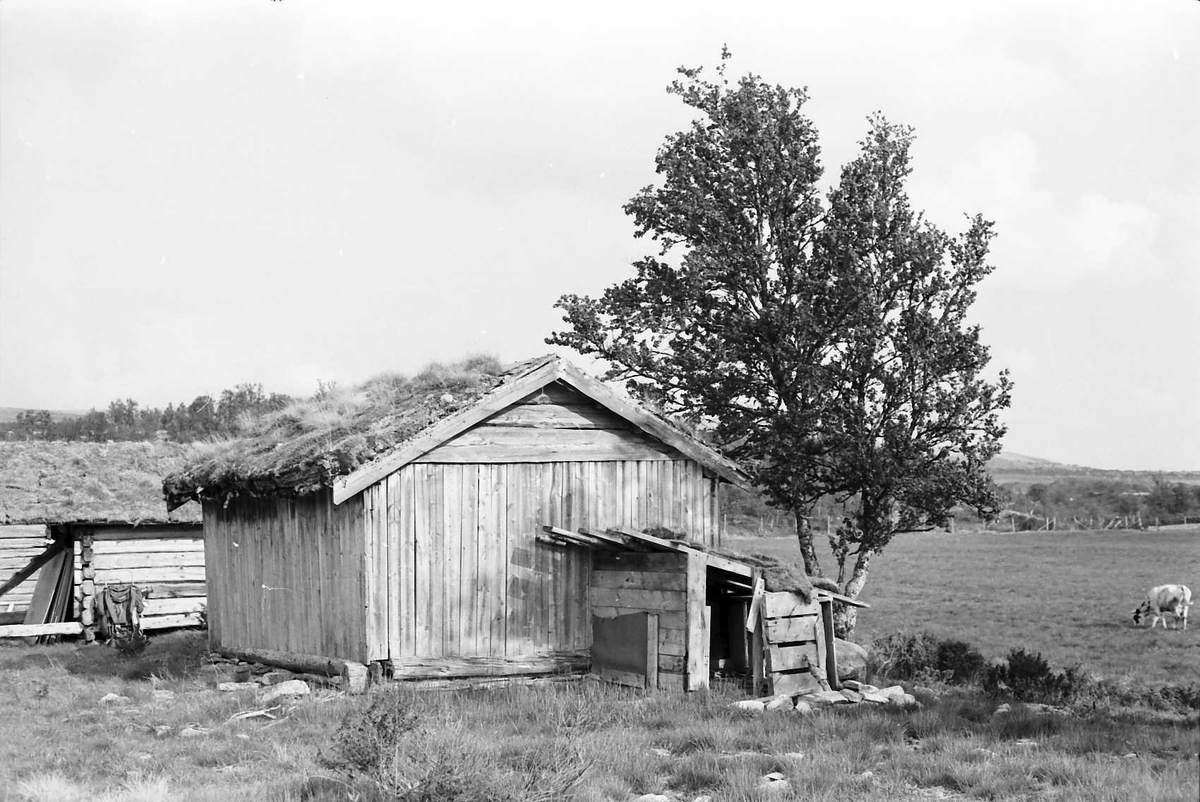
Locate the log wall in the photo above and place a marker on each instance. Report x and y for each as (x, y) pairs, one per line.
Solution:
(166, 561)
(19, 545)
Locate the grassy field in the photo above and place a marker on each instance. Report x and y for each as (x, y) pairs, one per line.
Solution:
(578, 741)
(1067, 595)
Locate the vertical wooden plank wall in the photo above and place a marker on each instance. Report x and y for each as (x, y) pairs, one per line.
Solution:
(289, 575)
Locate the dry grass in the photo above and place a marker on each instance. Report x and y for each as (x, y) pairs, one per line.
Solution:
(311, 442)
(98, 482)
(522, 743)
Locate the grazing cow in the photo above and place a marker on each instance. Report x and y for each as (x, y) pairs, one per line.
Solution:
(1173, 599)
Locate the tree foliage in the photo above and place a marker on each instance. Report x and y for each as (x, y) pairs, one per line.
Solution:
(822, 340)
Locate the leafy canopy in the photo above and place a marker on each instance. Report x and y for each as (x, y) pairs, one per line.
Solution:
(822, 340)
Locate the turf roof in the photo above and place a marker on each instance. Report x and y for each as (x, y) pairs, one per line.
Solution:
(58, 482)
(307, 445)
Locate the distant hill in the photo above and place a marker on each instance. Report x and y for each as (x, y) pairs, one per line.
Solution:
(1012, 468)
(9, 414)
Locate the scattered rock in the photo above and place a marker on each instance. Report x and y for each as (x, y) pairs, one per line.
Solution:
(192, 731)
(291, 687)
(114, 699)
(825, 698)
(851, 695)
(356, 676)
(804, 708)
(851, 659)
(275, 677)
(658, 750)
(872, 696)
(774, 782)
(653, 798)
(793, 755)
(1002, 709)
(984, 752)
(1130, 756)
(751, 705)
(163, 696)
(703, 798)
(781, 703)
(232, 687)
(140, 755)
(1026, 742)
(903, 700)
(162, 731)
(866, 775)
(891, 690)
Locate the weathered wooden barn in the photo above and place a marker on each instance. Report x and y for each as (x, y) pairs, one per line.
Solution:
(418, 525)
(76, 517)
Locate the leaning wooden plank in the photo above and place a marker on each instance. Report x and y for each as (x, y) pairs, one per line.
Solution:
(619, 542)
(34, 630)
(30, 569)
(656, 542)
(43, 594)
(843, 599)
(582, 539)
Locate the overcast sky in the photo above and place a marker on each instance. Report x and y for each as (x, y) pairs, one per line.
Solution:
(197, 194)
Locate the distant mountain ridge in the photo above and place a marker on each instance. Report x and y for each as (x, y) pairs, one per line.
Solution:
(1010, 467)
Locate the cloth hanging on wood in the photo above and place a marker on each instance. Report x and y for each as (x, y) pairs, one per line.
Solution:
(119, 606)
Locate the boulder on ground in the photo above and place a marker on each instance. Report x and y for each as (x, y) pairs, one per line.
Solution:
(851, 660)
(751, 705)
(231, 687)
(822, 698)
(780, 703)
(291, 687)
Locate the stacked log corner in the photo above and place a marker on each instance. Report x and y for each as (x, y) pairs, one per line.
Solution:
(166, 562)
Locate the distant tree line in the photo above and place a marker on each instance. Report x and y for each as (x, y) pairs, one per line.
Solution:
(1099, 503)
(125, 420)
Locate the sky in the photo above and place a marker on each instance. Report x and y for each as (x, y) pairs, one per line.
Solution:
(199, 194)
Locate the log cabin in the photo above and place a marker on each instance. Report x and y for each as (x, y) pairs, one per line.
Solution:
(75, 517)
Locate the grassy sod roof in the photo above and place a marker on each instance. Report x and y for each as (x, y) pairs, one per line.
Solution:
(312, 442)
(56, 482)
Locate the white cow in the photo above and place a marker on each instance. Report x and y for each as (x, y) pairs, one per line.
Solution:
(1173, 599)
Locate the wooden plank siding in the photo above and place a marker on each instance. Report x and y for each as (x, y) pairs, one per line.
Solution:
(289, 575)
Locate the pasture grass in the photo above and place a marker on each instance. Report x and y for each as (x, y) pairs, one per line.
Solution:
(582, 741)
(1067, 595)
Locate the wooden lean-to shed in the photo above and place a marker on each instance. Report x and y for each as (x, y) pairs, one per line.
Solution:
(75, 517)
(459, 524)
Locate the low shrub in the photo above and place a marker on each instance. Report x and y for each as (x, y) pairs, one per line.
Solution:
(925, 658)
(1028, 677)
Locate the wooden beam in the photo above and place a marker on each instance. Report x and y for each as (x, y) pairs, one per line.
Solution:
(697, 619)
(313, 664)
(502, 396)
(729, 565)
(653, 425)
(619, 541)
(581, 539)
(657, 542)
(34, 564)
(822, 593)
(523, 665)
(34, 630)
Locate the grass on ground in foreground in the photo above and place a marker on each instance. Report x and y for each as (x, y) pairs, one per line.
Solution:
(577, 741)
(1067, 595)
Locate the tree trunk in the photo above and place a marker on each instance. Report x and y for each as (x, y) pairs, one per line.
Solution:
(845, 617)
(804, 534)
